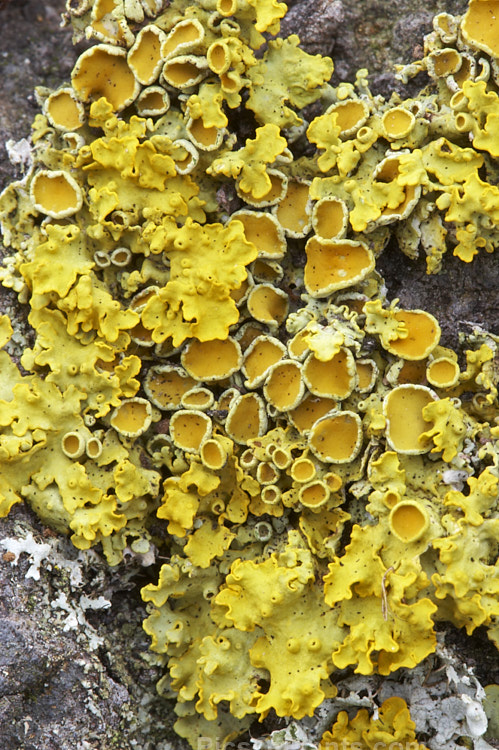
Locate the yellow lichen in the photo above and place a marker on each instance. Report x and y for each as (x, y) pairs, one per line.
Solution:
(199, 304)
(392, 725)
(215, 360)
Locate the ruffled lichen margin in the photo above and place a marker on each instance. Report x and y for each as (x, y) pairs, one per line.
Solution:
(309, 445)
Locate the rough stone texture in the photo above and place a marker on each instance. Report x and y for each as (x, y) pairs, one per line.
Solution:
(34, 51)
(375, 34)
(324, 20)
(74, 678)
(56, 692)
(372, 34)
(460, 296)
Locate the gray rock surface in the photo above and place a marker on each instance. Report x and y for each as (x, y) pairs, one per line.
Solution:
(72, 674)
(34, 51)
